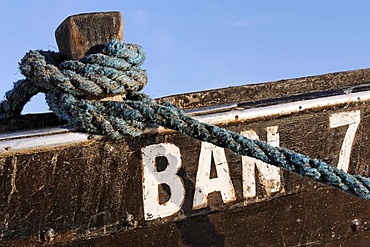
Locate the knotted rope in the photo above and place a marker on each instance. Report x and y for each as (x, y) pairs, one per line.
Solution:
(100, 93)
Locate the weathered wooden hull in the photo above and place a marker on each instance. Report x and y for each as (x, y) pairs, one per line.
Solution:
(72, 189)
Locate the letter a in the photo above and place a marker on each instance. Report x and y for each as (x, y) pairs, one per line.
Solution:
(153, 209)
(204, 184)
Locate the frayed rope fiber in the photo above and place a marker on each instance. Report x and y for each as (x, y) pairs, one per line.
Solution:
(100, 93)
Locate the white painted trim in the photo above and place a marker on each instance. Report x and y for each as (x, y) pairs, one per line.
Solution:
(33, 132)
(61, 136)
(37, 142)
(283, 109)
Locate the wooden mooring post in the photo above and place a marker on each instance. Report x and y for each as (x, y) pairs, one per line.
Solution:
(65, 188)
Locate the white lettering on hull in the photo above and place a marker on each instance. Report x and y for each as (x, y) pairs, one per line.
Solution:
(269, 175)
(153, 209)
(204, 184)
(352, 119)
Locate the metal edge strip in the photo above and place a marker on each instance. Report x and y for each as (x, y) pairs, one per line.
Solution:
(283, 109)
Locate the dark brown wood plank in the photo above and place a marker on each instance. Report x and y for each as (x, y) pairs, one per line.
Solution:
(276, 89)
(80, 34)
(96, 189)
(304, 219)
(30, 121)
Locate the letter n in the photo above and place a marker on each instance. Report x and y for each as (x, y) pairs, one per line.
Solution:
(269, 175)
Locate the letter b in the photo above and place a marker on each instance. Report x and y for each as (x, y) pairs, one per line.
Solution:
(152, 178)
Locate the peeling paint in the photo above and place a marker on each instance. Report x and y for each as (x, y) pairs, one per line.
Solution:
(13, 178)
(53, 162)
(2, 165)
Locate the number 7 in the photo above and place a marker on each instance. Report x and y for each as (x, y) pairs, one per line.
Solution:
(352, 119)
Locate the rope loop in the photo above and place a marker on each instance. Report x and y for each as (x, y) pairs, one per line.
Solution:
(100, 93)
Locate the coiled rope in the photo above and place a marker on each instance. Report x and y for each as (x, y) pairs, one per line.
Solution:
(100, 93)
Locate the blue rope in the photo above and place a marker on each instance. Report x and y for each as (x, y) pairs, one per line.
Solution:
(77, 90)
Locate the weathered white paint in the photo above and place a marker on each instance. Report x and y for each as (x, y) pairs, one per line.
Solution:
(204, 184)
(269, 176)
(45, 140)
(34, 133)
(152, 178)
(284, 109)
(352, 119)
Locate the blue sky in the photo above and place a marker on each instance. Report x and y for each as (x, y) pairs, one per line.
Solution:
(199, 45)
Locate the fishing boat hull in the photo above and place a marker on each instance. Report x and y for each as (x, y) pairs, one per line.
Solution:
(62, 187)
